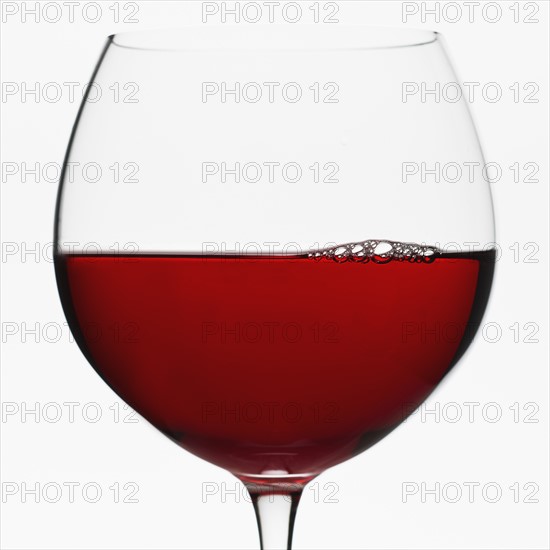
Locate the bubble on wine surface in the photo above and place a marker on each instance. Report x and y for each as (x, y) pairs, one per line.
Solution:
(377, 251)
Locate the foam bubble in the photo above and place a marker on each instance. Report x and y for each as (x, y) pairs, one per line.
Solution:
(377, 251)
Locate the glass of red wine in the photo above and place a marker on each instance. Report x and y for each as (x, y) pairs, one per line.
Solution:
(274, 243)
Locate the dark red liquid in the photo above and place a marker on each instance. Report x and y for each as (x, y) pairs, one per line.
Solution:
(264, 365)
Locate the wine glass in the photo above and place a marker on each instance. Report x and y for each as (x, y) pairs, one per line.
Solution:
(273, 260)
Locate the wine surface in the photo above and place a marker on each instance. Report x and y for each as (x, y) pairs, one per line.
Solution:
(276, 365)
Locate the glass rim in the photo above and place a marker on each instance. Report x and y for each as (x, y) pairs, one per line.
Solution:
(275, 38)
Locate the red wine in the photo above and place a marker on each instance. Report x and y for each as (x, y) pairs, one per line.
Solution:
(276, 365)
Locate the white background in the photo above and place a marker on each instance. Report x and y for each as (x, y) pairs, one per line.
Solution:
(367, 509)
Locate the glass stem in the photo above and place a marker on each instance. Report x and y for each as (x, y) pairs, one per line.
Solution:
(275, 508)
